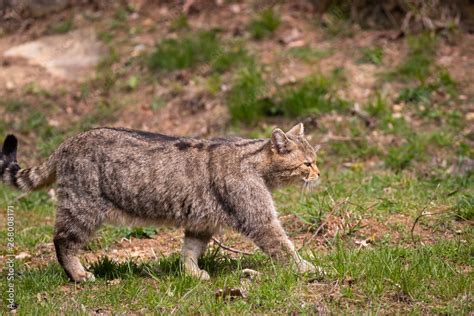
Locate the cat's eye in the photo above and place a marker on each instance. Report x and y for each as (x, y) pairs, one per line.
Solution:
(307, 164)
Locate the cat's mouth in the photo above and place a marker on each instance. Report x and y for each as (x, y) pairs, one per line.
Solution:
(309, 184)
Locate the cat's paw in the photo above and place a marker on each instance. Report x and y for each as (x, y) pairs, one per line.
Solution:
(198, 273)
(204, 276)
(305, 267)
(84, 277)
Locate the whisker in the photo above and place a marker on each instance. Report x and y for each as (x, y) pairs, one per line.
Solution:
(304, 189)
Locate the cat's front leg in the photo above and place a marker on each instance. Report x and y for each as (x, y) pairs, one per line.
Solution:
(251, 211)
(272, 239)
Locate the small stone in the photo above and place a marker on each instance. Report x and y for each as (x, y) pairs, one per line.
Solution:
(148, 22)
(235, 8)
(10, 85)
(53, 122)
(470, 116)
(138, 49)
(397, 108)
(113, 282)
(251, 274)
(22, 255)
(294, 35)
(397, 115)
(52, 194)
(298, 43)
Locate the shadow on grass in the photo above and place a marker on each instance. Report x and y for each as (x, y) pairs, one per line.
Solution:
(214, 262)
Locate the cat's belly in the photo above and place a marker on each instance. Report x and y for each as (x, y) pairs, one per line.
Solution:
(209, 222)
(122, 218)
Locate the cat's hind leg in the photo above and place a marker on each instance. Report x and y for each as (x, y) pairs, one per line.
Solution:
(194, 246)
(77, 219)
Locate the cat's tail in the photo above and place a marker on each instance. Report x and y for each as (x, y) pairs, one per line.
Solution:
(24, 179)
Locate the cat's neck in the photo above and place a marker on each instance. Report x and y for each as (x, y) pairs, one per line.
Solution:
(259, 157)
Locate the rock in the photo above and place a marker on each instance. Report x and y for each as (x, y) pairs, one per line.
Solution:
(235, 8)
(71, 56)
(250, 274)
(10, 85)
(138, 49)
(397, 108)
(470, 116)
(293, 36)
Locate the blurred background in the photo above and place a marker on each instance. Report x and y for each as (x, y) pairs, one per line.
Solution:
(365, 76)
(386, 87)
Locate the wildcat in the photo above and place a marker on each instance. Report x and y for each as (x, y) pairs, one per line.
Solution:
(127, 177)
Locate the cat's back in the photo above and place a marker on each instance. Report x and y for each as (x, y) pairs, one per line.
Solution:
(136, 145)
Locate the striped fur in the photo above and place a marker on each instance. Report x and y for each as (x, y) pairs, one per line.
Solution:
(127, 176)
(24, 179)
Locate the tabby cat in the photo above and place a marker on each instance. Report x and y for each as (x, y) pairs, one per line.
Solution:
(133, 177)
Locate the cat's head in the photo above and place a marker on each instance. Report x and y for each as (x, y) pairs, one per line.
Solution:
(293, 158)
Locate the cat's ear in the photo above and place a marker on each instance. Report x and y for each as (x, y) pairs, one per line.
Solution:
(280, 142)
(297, 130)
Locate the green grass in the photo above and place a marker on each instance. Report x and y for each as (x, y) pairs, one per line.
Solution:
(186, 52)
(419, 63)
(400, 157)
(62, 27)
(376, 179)
(465, 208)
(234, 55)
(308, 54)
(422, 93)
(384, 276)
(393, 275)
(106, 77)
(314, 95)
(337, 20)
(119, 21)
(244, 99)
(13, 105)
(103, 112)
(265, 24)
(372, 55)
(180, 23)
(105, 37)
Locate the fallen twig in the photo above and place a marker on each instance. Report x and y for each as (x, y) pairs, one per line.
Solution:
(323, 223)
(423, 213)
(364, 116)
(221, 245)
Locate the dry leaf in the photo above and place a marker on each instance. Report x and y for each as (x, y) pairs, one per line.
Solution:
(251, 274)
(230, 293)
(22, 255)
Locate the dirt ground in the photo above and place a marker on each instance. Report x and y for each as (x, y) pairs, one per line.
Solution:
(193, 111)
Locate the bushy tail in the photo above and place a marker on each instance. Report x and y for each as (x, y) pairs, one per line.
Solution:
(24, 179)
